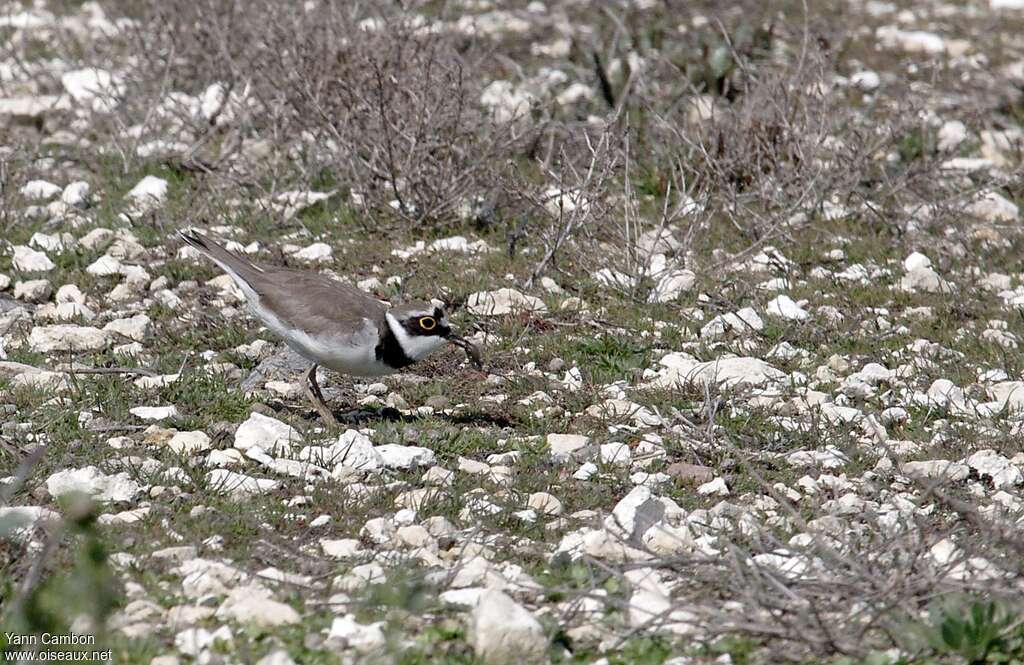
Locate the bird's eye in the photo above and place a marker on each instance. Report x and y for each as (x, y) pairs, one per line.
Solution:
(428, 323)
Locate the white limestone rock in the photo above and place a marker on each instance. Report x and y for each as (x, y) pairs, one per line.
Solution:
(77, 194)
(999, 469)
(681, 369)
(563, 445)
(93, 88)
(937, 470)
(148, 193)
(266, 433)
(785, 307)
(911, 41)
(154, 412)
(27, 259)
(994, 207)
(671, 285)
(506, 101)
(117, 488)
(318, 252)
(741, 322)
(252, 605)
(104, 266)
(951, 135)
(18, 523)
(503, 632)
(503, 301)
(634, 514)
(230, 482)
(396, 456)
(33, 290)
(68, 337)
(39, 190)
(134, 328)
(188, 443)
(347, 633)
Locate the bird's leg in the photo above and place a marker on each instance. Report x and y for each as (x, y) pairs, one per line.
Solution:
(317, 397)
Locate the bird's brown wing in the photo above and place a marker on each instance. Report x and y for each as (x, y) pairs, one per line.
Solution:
(315, 303)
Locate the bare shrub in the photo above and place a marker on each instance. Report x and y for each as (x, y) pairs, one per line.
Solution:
(277, 95)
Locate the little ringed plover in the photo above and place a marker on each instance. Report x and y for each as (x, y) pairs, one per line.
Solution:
(332, 323)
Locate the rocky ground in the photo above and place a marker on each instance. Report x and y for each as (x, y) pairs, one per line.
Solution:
(749, 297)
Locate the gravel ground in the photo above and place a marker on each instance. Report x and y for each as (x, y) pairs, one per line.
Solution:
(746, 280)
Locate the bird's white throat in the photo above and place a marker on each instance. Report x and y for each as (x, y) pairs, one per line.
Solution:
(416, 347)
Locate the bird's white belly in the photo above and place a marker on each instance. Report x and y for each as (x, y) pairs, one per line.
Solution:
(355, 356)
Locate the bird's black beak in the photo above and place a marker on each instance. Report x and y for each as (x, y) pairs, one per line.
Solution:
(472, 352)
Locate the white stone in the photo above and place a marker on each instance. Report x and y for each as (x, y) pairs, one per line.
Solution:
(503, 301)
(924, 279)
(785, 307)
(27, 259)
(39, 190)
(134, 328)
(77, 194)
(395, 456)
(544, 503)
(278, 657)
(502, 632)
(585, 472)
(651, 605)
(35, 107)
(937, 469)
(202, 578)
(994, 207)
(507, 102)
(671, 285)
(352, 450)
(379, 531)
(317, 252)
(832, 457)
(563, 445)
(222, 480)
(343, 548)
(347, 633)
(70, 293)
(154, 412)
(67, 337)
(104, 266)
(252, 605)
(990, 464)
(118, 488)
(265, 433)
(20, 522)
(911, 41)
(741, 322)
(635, 513)
(680, 369)
(895, 415)
(33, 290)
(716, 487)
(615, 453)
(867, 80)
(196, 641)
(187, 443)
(51, 242)
(96, 89)
(951, 135)
(916, 260)
(148, 192)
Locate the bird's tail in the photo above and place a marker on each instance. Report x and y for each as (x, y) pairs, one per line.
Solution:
(238, 267)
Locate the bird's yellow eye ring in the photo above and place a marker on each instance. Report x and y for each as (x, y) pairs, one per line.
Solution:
(428, 323)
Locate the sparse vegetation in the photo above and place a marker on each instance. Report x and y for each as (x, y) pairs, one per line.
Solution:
(767, 258)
